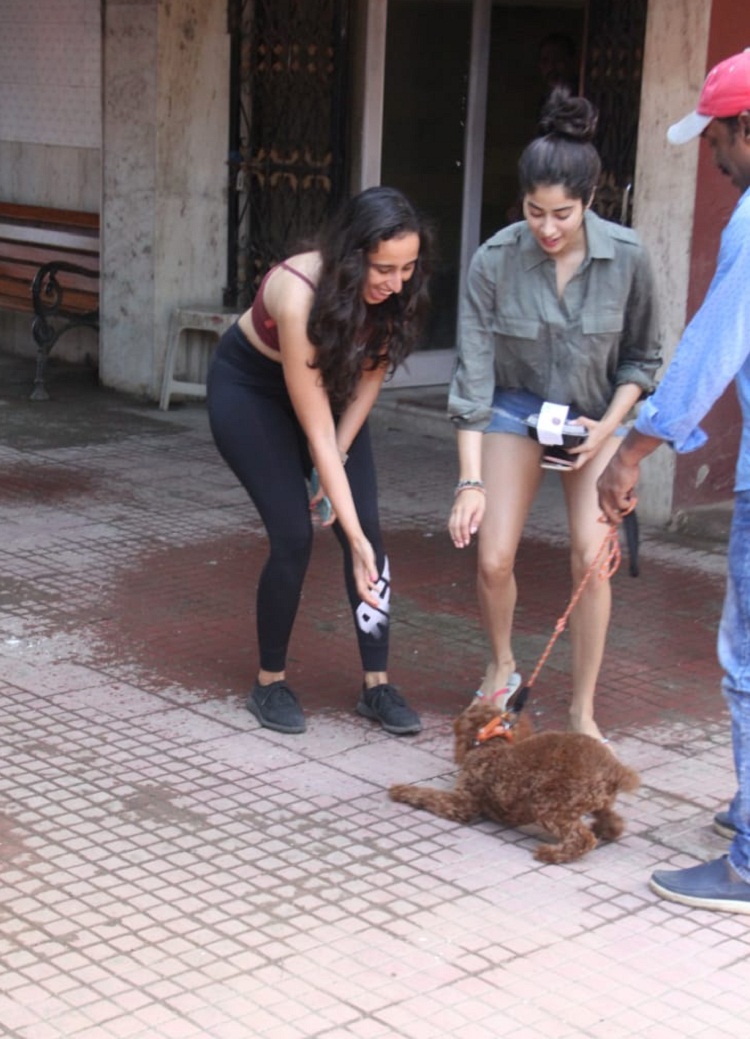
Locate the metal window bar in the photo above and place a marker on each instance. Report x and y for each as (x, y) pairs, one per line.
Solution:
(287, 154)
(613, 68)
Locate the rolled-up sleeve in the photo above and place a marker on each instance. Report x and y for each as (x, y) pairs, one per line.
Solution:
(640, 350)
(473, 383)
(711, 352)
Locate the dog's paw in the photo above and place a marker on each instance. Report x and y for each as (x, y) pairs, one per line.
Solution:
(609, 828)
(548, 853)
(565, 851)
(399, 792)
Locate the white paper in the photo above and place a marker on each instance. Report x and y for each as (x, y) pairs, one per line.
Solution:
(549, 427)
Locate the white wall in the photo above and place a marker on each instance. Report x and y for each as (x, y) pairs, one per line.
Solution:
(665, 181)
(121, 107)
(50, 72)
(50, 127)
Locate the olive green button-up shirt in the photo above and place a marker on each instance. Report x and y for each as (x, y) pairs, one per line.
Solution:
(515, 332)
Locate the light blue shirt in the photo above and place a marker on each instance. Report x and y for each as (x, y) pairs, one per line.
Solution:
(714, 349)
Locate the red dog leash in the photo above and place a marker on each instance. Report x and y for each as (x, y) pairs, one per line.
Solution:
(607, 561)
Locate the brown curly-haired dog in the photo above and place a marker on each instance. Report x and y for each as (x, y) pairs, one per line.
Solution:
(551, 779)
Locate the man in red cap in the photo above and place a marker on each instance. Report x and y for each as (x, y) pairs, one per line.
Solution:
(713, 351)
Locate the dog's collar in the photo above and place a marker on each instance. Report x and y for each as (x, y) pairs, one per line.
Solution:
(500, 726)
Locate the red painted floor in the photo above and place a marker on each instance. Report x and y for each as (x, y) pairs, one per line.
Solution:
(172, 871)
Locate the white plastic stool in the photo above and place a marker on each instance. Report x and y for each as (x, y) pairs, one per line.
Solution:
(191, 319)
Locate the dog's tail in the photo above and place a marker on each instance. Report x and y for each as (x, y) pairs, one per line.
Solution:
(627, 779)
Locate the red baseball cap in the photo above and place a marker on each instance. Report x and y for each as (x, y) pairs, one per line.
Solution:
(725, 93)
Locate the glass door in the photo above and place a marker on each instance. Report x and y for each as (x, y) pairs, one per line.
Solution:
(463, 82)
(427, 60)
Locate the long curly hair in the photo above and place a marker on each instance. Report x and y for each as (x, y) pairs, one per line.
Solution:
(351, 335)
(563, 153)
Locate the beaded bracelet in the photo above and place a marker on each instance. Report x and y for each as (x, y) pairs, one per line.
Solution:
(469, 485)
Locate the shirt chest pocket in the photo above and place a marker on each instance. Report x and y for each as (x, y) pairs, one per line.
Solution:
(604, 322)
(519, 330)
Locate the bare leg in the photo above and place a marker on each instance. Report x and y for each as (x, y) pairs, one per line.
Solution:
(511, 473)
(266, 677)
(373, 678)
(589, 620)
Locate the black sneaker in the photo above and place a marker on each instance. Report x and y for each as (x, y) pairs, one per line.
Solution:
(276, 707)
(385, 704)
(724, 826)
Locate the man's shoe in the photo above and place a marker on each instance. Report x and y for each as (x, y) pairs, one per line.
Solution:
(276, 707)
(724, 826)
(711, 886)
(385, 704)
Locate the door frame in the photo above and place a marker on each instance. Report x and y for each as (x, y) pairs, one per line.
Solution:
(425, 367)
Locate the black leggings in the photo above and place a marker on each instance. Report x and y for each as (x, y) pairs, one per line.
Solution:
(261, 440)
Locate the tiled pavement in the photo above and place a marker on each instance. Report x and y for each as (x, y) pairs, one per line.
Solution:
(170, 871)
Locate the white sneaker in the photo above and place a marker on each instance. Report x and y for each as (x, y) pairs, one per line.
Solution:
(502, 696)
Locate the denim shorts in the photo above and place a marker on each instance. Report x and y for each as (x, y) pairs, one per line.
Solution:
(511, 408)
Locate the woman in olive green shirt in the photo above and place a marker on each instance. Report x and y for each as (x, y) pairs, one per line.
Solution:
(558, 309)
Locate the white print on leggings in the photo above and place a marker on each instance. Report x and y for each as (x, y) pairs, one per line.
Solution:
(373, 620)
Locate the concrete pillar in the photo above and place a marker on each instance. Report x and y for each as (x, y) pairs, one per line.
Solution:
(665, 180)
(165, 144)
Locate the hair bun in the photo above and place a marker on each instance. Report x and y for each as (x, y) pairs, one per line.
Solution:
(567, 116)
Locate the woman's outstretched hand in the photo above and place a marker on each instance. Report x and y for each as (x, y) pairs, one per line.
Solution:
(466, 516)
(366, 574)
(598, 434)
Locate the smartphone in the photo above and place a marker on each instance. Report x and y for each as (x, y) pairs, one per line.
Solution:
(559, 465)
(324, 508)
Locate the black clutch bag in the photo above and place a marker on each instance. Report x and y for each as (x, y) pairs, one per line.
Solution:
(556, 455)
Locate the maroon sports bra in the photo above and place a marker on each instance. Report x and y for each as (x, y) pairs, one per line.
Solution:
(263, 323)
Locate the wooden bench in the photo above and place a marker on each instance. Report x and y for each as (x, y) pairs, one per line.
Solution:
(49, 267)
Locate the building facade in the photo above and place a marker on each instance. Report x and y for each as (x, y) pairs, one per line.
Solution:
(210, 137)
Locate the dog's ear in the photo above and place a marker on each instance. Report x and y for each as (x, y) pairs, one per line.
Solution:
(467, 725)
(463, 728)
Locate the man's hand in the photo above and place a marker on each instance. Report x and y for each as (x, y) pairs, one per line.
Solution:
(616, 487)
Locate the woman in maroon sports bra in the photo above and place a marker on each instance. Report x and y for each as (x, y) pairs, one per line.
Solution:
(289, 391)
